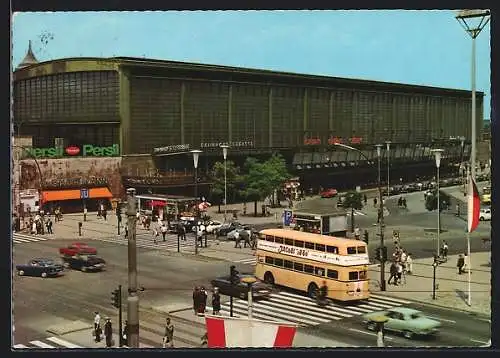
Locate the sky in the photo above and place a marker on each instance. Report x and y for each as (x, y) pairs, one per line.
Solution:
(415, 47)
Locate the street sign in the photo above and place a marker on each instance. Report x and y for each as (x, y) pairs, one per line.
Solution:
(287, 217)
(84, 193)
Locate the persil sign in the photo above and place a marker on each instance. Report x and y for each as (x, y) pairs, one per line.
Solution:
(325, 257)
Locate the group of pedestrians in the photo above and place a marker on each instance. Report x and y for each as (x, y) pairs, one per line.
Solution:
(39, 224)
(402, 264)
(108, 330)
(200, 297)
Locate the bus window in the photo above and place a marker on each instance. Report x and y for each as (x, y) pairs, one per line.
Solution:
(278, 240)
(269, 260)
(309, 245)
(362, 275)
(298, 267)
(319, 271)
(299, 243)
(278, 262)
(361, 249)
(353, 275)
(351, 250)
(308, 268)
(262, 237)
(332, 249)
(269, 238)
(320, 247)
(333, 274)
(288, 264)
(289, 242)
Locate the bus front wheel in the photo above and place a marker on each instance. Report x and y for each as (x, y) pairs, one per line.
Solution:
(312, 290)
(268, 278)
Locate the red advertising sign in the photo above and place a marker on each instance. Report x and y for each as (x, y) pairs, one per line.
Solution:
(356, 140)
(72, 150)
(312, 141)
(334, 140)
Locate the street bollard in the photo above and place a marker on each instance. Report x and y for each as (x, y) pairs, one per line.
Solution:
(79, 229)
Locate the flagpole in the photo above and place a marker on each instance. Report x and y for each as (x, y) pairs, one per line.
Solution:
(469, 299)
(469, 212)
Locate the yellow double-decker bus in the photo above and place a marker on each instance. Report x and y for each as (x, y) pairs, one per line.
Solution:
(303, 261)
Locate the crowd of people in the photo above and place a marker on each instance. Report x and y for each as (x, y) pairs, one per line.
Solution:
(401, 264)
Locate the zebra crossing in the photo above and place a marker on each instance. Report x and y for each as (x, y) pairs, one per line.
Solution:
(147, 242)
(356, 213)
(250, 261)
(304, 311)
(47, 343)
(20, 238)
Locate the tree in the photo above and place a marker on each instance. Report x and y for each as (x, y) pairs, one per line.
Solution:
(217, 177)
(278, 173)
(354, 201)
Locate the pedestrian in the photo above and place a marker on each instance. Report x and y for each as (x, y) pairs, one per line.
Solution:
(466, 262)
(104, 214)
(393, 274)
(400, 202)
(458, 209)
(357, 233)
(245, 236)
(460, 264)
(399, 266)
(196, 299)
(49, 226)
(125, 334)
(108, 333)
(203, 300)
(168, 338)
(97, 327)
(374, 202)
(34, 228)
(404, 203)
(156, 234)
(163, 231)
(444, 250)
(409, 264)
(365, 199)
(237, 241)
(216, 301)
(125, 227)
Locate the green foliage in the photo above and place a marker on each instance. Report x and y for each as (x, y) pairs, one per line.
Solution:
(217, 176)
(353, 200)
(431, 201)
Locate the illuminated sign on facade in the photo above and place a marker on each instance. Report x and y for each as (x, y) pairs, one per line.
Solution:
(87, 150)
(334, 140)
(171, 148)
(236, 144)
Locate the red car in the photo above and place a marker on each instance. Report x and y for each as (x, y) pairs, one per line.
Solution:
(77, 248)
(329, 193)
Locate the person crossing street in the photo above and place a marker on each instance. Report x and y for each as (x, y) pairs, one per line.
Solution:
(168, 338)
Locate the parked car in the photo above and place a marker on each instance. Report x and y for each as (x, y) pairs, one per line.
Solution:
(407, 321)
(225, 228)
(42, 267)
(412, 187)
(485, 215)
(212, 226)
(84, 263)
(77, 248)
(329, 193)
(260, 290)
(248, 230)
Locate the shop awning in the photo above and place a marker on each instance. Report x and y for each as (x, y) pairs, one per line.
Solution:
(74, 194)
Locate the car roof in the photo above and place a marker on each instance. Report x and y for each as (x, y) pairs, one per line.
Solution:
(403, 310)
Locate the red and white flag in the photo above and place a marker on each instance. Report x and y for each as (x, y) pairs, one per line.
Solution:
(473, 205)
(227, 332)
(204, 205)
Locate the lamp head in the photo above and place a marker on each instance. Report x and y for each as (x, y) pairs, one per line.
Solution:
(437, 155)
(379, 149)
(224, 150)
(196, 156)
(473, 20)
(388, 144)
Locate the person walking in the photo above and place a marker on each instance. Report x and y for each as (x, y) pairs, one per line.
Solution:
(460, 264)
(49, 226)
(168, 338)
(125, 334)
(108, 333)
(444, 250)
(156, 234)
(399, 266)
(104, 214)
(163, 231)
(409, 264)
(97, 327)
(365, 199)
(393, 274)
(203, 300)
(196, 299)
(216, 301)
(237, 240)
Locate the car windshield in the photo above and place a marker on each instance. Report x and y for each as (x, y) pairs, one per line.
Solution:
(416, 315)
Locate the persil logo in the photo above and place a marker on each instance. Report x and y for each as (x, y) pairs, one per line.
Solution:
(72, 150)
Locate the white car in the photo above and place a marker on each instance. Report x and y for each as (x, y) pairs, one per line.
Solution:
(231, 234)
(212, 226)
(485, 215)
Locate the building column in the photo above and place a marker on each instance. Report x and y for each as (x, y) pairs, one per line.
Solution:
(230, 114)
(330, 114)
(428, 118)
(304, 118)
(183, 132)
(125, 120)
(394, 120)
(270, 114)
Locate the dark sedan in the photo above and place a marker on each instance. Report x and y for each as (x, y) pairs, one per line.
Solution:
(40, 267)
(84, 263)
(260, 290)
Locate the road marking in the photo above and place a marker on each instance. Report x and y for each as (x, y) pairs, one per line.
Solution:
(441, 319)
(481, 342)
(41, 344)
(18, 346)
(62, 342)
(20, 240)
(370, 333)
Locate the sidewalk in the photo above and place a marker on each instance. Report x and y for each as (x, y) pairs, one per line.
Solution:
(451, 288)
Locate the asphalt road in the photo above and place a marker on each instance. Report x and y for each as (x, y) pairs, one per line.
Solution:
(170, 279)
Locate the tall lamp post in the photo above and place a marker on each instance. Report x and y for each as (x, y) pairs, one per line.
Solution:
(473, 22)
(388, 146)
(196, 156)
(381, 221)
(462, 166)
(437, 156)
(224, 153)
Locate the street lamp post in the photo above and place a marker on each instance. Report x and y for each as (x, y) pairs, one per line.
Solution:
(437, 155)
(249, 281)
(462, 167)
(133, 297)
(196, 156)
(388, 146)
(224, 153)
(473, 22)
(381, 221)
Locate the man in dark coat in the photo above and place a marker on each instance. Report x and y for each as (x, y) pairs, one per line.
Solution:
(394, 274)
(108, 333)
(216, 301)
(196, 300)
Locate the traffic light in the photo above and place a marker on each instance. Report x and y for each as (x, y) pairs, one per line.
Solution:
(116, 298)
(365, 237)
(233, 275)
(381, 254)
(377, 254)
